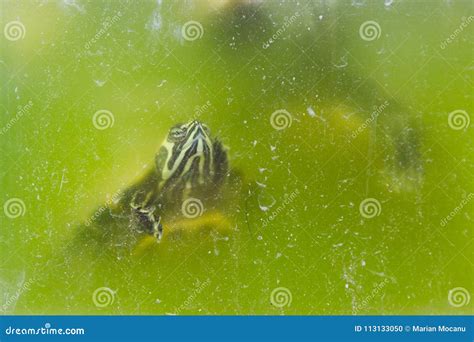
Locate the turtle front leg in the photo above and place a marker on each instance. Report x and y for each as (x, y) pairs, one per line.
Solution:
(145, 218)
(157, 227)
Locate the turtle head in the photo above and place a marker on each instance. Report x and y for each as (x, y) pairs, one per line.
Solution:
(189, 157)
(192, 136)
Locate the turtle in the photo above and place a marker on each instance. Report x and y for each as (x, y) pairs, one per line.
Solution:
(178, 202)
(186, 178)
(189, 165)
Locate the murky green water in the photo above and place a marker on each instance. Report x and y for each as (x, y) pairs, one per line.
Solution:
(367, 117)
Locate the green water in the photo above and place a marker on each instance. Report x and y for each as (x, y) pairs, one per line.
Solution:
(302, 230)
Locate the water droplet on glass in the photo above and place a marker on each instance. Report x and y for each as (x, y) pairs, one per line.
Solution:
(265, 201)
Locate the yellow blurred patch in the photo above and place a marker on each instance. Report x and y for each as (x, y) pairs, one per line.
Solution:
(186, 228)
